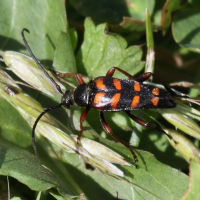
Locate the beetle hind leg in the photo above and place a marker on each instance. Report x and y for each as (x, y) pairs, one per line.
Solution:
(147, 75)
(136, 119)
(108, 130)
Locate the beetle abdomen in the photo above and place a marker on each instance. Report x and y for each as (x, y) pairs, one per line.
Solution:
(112, 94)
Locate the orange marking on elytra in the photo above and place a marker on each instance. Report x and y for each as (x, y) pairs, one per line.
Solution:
(115, 100)
(155, 91)
(137, 87)
(98, 97)
(117, 84)
(155, 101)
(135, 101)
(100, 83)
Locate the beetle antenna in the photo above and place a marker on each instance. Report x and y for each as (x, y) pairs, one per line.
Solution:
(35, 124)
(37, 62)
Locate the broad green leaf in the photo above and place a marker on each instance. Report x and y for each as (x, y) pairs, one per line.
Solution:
(156, 142)
(185, 28)
(45, 19)
(64, 60)
(195, 3)
(102, 50)
(113, 11)
(27, 168)
(74, 37)
(137, 181)
(166, 183)
(156, 15)
(194, 181)
(127, 17)
(17, 130)
(133, 28)
(137, 8)
(169, 7)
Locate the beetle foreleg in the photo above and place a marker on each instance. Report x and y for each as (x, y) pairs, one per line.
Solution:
(77, 76)
(108, 130)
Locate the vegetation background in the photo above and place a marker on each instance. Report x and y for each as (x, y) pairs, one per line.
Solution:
(89, 37)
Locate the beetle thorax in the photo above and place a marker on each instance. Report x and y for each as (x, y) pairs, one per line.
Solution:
(81, 95)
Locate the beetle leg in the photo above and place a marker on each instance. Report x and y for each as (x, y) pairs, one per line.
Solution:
(108, 130)
(77, 76)
(136, 119)
(112, 70)
(82, 119)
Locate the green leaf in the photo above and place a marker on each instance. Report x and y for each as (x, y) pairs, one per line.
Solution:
(156, 142)
(195, 3)
(113, 11)
(169, 7)
(186, 27)
(133, 29)
(45, 19)
(13, 131)
(74, 37)
(64, 60)
(166, 183)
(26, 168)
(127, 17)
(156, 15)
(137, 8)
(194, 181)
(100, 47)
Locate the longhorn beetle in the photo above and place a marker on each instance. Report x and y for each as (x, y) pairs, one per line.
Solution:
(108, 94)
